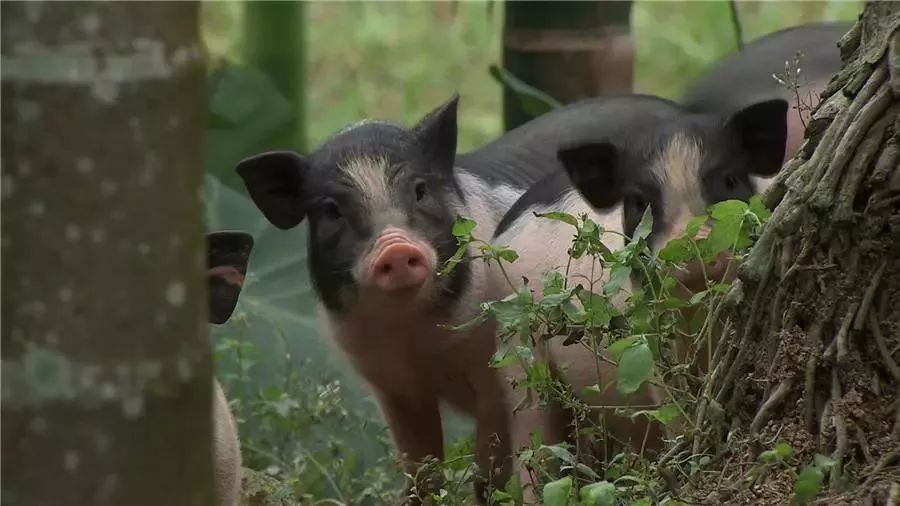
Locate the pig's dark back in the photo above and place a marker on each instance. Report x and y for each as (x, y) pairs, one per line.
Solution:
(525, 155)
(746, 76)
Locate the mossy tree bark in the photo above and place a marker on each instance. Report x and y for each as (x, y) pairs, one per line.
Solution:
(811, 357)
(107, 389)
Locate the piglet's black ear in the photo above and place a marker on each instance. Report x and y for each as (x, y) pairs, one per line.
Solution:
(594, 171)
(227, 256)
(437, 134)
(274, 181)
(761, 131)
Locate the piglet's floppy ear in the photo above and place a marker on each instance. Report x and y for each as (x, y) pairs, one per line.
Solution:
(274, 181)
(227, 256)
(594, 171)
(761, 132)
(437, 134)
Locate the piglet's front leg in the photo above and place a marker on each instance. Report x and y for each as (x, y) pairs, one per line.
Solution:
(415, 424)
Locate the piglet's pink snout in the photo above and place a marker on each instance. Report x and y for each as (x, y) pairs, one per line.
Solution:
(398, 263)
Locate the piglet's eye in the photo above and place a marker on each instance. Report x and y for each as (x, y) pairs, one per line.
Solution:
(730, 183)
(330, 210)
(420, 190)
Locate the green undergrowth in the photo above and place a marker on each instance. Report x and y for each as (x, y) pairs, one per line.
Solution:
(641, 330)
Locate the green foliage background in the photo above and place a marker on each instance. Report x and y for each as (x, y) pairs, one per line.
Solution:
(304, 416)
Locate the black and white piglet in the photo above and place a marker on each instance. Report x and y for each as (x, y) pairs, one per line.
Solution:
(380, 201)
(746, 77)
(678, 166)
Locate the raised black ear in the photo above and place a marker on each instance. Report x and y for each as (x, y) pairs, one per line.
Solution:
(227, 256)
(437, 134)
(761, 130)
(594, 170)
(274, 181)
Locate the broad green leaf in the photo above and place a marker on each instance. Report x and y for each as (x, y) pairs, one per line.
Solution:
(758, 208)
(602, 493)
(514, 489)
(781, 451)
(559, 216)
(645, 226)
(596, 307)
(512, 310)
(635, 367)
(560, 453)
(694, 225)
(824, 462)
(513, 355)
(507, 255)
(574, 313)
(533, 101)
(808, 485)
(619, 276)
(556, 493)
(698, 297)
(552, 282)
(245, 111)
(725, 233)
(555, 299)
(618, 348)
(664, 415)
(729, 209)
(677, 250)
(463, 227)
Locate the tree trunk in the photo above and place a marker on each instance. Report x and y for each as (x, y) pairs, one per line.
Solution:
(812, 355)
(273, 38)
(569, 50)
(107, 387)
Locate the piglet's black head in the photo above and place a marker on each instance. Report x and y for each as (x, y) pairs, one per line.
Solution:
(284, 184)
(227, 256)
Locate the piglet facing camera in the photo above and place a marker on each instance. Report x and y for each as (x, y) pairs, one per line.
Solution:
(380, 201)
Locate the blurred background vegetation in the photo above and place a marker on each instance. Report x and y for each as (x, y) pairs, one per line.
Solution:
(305, 418)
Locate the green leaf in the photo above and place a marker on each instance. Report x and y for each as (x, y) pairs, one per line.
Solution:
(781, 451)
(556, 493)
(245, 110)
(602, 493)
(664, 415)
(677, 250)
(558, 216)
(759, 209)
(514, 489)
(642, 502)
(512, 310)
(552, 282)
(824, 462)
(619, 275)
(618, 348)
(560, 453)
(725, 233)
(635, 367)
(533, 101)
(694, 225)
(596, 307)
(574, 313)
(729, 209)
(645, 226)
(463, 228)
(808, 485)
(507, 255)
